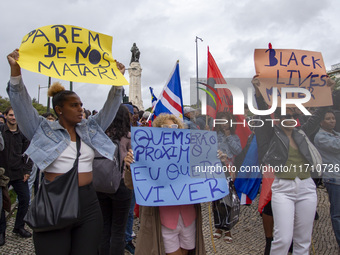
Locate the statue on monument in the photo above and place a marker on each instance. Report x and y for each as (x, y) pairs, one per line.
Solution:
(135, 53)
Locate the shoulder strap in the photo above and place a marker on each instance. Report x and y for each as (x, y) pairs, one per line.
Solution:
(117, 142)
(78, 142)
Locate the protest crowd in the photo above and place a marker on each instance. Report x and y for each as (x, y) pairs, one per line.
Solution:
(75, 150)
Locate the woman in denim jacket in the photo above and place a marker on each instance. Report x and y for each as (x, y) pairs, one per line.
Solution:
(52, 149)
(327, 141)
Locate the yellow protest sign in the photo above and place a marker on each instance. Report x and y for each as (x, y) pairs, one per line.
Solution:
(70, 53)
(292, 69)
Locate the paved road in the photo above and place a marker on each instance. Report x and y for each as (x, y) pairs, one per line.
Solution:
(248, 236)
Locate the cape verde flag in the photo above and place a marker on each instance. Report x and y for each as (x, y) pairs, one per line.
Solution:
(153, 97)
(170, 101)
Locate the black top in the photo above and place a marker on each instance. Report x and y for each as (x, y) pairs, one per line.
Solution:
(12, 157)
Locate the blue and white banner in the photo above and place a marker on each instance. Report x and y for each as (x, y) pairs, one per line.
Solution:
(176, 167)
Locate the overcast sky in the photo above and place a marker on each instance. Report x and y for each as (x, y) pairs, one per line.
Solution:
(165, 31)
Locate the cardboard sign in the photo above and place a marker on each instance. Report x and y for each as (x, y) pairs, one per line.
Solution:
(176, 167)
(292, 68)
(70, 53)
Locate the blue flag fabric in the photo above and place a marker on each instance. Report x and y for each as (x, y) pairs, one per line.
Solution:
(248, 182)
(170, 100)
(153, 97)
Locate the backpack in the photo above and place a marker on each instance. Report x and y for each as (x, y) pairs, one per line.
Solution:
(107, 173)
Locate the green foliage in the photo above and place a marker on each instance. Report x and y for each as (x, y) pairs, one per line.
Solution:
(4, 103)
(337, 84)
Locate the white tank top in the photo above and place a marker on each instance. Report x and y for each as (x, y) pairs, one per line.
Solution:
(65, 161)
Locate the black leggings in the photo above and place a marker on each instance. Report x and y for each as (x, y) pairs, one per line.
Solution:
(82, 238)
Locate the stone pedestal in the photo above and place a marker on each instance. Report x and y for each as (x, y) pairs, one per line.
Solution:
(135, 90)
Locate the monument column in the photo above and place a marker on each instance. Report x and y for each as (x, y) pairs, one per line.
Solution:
(135, 74)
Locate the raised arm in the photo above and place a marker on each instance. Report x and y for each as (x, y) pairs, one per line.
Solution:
(107, 114)
(26, 115)
(266, 132)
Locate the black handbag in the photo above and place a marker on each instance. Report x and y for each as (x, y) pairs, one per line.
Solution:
(56, 204)
(107, 174)
(227, 209)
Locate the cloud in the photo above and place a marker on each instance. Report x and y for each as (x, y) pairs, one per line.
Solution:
(165, 31)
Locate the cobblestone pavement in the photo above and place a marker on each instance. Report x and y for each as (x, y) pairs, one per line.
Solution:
(248, 235)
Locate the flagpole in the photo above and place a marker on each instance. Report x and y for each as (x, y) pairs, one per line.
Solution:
(197, 69)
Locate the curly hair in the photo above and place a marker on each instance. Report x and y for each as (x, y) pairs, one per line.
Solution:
(120, 126)
(160, 120)
(58, 94)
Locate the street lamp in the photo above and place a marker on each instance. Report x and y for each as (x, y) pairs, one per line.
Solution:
(197, 68)
(40, 87)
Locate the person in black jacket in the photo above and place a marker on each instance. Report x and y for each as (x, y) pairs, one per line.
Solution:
(17, 168)
(288, 151)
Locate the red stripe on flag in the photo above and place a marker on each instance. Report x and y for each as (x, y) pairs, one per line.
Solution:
(172, 102)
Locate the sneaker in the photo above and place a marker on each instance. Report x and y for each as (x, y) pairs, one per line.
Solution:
(130, 247)
(133, 234)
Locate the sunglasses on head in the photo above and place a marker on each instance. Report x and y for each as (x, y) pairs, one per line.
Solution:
(170, 126)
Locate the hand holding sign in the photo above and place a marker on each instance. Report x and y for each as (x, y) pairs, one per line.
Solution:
(12, 60)
(120, 67)
(297, 69)
(175, 166)
(129, 158)
(70, 53)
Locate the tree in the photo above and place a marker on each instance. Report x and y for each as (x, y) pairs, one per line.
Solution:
(4, 103)
(337, 84)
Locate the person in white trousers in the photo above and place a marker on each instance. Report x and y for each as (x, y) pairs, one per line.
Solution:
(287, 149)
(294, 205)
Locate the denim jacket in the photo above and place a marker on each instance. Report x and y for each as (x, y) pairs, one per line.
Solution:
(50, 139)
(229, 145)
(329, 147)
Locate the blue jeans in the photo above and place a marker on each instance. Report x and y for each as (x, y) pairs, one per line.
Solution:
(333, 194)
(129, 225)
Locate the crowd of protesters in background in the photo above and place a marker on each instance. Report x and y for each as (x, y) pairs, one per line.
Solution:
(107, 228)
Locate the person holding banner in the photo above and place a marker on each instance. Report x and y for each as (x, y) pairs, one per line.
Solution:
(290, 153)
(171, 230)
(52, 149)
